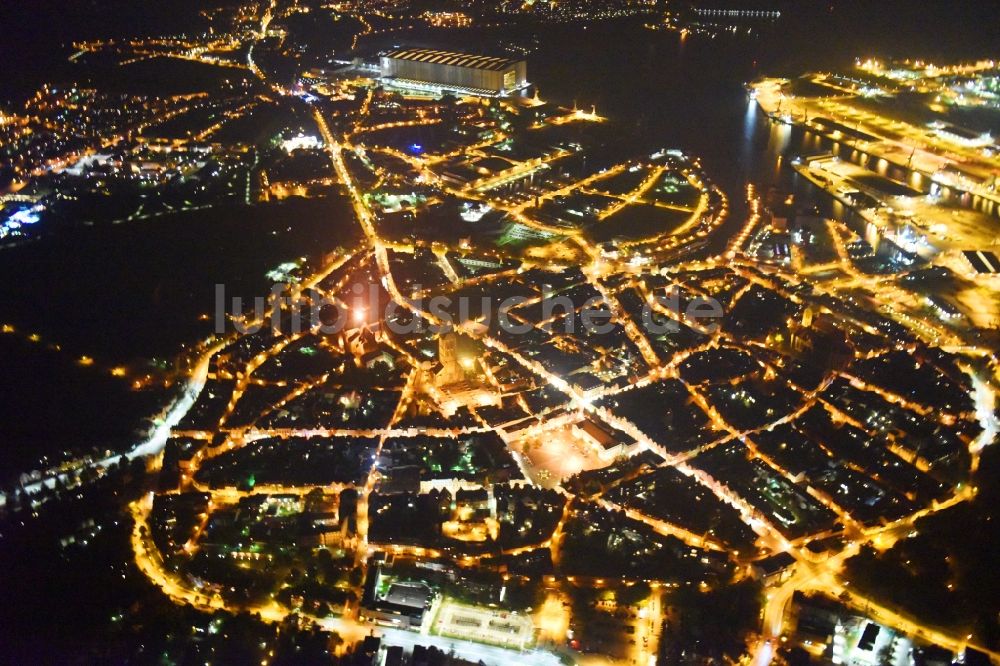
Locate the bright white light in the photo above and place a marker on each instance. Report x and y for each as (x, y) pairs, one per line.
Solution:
(474, 213)
(299, 142)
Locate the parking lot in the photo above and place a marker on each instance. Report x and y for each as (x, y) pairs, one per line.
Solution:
(484, 625)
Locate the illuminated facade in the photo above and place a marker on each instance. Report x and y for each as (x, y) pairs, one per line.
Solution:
(459, 72)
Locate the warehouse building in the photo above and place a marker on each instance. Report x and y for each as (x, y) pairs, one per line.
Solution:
(445, 71)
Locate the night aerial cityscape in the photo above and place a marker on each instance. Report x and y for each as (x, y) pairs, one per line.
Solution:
(510, 332)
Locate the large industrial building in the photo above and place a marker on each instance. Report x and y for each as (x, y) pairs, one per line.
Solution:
(444, 71)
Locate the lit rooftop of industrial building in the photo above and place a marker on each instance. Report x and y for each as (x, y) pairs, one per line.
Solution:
(452, 58)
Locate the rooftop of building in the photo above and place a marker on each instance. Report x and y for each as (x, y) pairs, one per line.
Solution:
(452, 58)
(410, 595)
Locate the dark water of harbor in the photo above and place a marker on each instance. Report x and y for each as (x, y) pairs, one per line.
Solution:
(688, 91)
